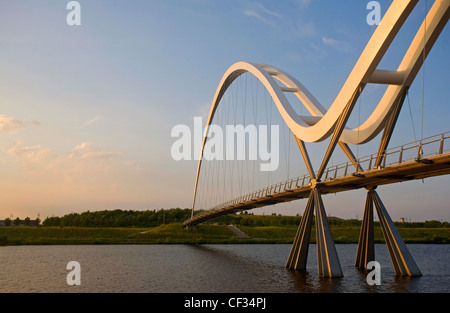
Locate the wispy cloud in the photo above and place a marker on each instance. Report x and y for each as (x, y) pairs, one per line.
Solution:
(30, 153)
(8, 124)
(330, 42)
(338, 45)
(255, 14)
(133, 164)
(267, 11)
(87, 150)
(298, 27)
(91, 121)
(260, 12)
(84, 154)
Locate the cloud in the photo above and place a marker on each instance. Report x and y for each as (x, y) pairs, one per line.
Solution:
(91, 121)
(84, 154)
(85, 160)
(132, 164)
(86, 150)
(30, 153)
(263, 14)
(336, 44)
(299, 26)
(267, 11)
(9, 124)
(259, 17)
(330, 42)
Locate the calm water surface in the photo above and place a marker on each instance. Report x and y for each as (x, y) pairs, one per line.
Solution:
(207, 268)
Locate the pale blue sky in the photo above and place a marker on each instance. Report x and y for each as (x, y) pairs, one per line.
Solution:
(87, 110)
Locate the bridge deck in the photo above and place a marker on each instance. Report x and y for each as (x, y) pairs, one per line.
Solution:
(299, 188)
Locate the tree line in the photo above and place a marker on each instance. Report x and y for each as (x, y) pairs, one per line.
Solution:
(249, 219)
(153, 218)
(17, 222)
(120, 218)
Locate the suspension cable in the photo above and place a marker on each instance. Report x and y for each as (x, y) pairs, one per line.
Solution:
(359, 121)
(410, 115)
(423, 67)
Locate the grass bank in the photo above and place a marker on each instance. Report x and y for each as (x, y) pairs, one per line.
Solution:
(167, 234)
(350, 234)
(213, 234)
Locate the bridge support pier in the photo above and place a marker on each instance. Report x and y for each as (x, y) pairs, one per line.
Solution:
(188, 227)
(366, 248)
(299, 251)
(401, 258)
(327, 258)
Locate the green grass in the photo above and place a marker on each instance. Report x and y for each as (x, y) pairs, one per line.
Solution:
(277, 234)
(170, 233)
(176, 234)
(65, 235)
(425, 235)
(349, 234)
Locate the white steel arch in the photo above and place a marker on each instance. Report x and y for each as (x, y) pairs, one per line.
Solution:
(323, 123)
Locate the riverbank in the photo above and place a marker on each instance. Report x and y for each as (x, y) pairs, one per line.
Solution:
(203, 234)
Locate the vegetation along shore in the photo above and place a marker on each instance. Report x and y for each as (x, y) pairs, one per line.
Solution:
(165, 227)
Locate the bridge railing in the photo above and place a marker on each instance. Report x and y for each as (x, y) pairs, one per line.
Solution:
(418, 150)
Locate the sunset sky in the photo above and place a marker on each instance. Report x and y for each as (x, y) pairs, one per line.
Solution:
(86, 111)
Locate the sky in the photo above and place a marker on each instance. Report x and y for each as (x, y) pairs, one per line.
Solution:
(86, 111)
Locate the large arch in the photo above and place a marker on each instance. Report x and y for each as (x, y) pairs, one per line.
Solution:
(321, 124)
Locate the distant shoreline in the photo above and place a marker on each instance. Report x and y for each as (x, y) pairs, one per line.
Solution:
(204, 234)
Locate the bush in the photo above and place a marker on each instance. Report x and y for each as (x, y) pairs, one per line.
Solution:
(120, 218)
(3, 241)
(438, 239)
(432, 224)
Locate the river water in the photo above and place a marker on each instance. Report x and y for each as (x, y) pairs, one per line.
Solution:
(245, 268)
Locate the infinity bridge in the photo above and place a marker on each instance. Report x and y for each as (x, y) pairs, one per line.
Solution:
(423, 158)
